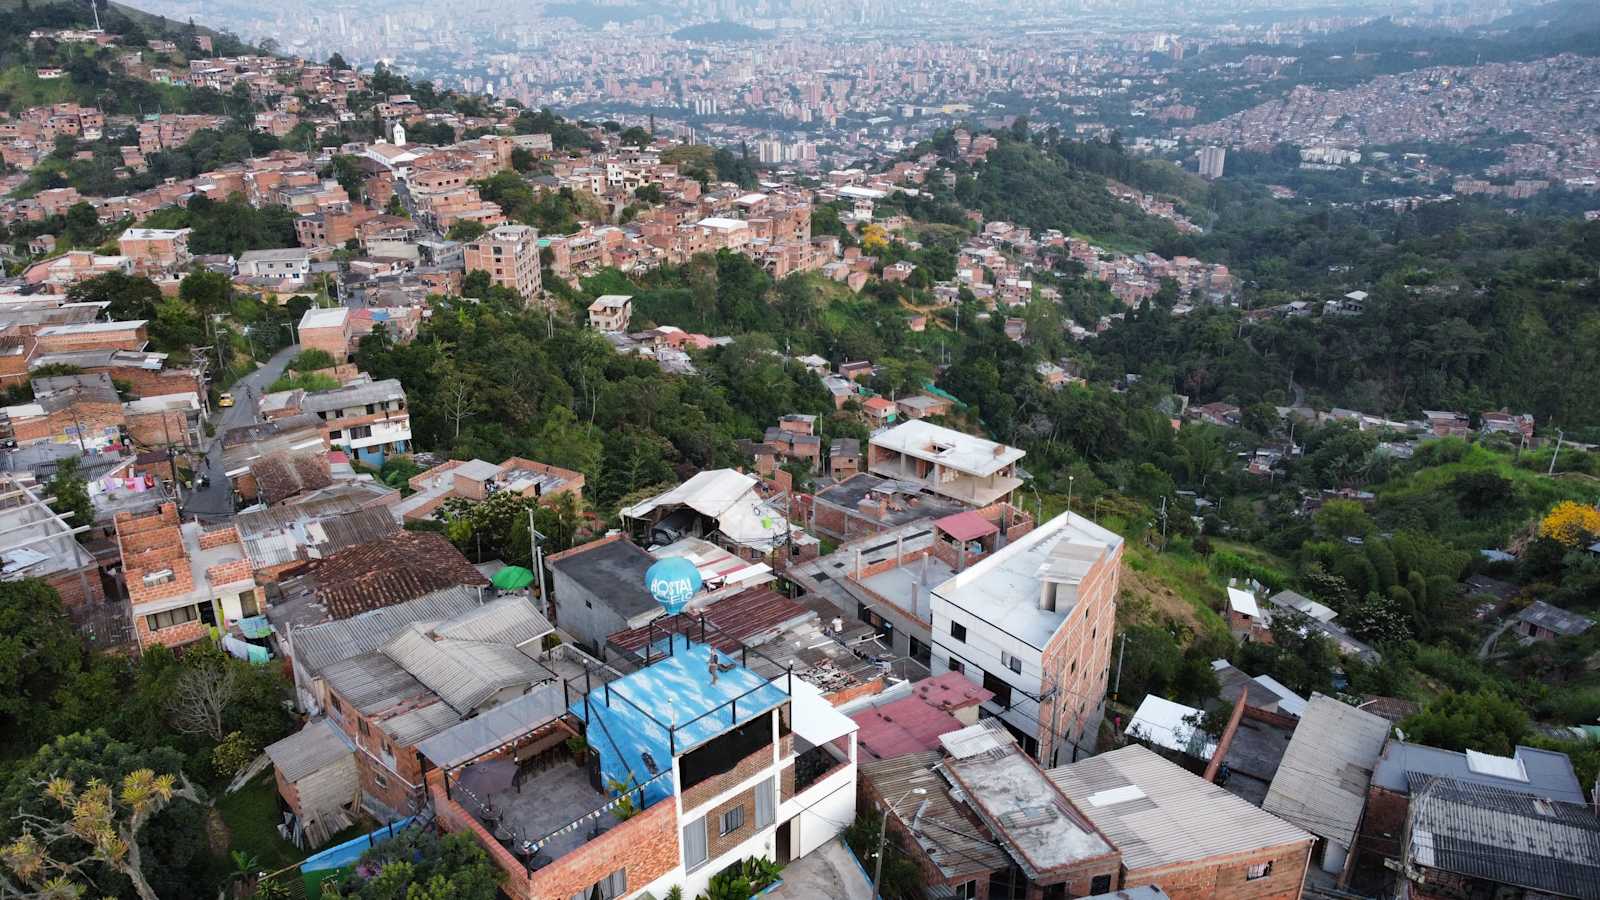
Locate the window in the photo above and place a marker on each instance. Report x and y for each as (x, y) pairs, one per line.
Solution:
(613, 885)
(958, 631)
(1100, 885)
(957, 665)
(731, 821)
(336, 434)
(248, 605)
(171, 618)
(372, 408)
(1011, 662)
(967, 890)
(766, 805)
(379, 780)
(920, 652)
(694, 844)
(1001, 690)
(335, 707)
(361, 726)
(1259, 870)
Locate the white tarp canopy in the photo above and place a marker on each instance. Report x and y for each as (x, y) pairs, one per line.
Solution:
(742, 514)
(1243, 603)
(1162, 722)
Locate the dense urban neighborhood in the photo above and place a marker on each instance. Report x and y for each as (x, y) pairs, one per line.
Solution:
(740, 461)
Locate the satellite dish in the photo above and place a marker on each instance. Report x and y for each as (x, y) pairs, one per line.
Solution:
(673, 582)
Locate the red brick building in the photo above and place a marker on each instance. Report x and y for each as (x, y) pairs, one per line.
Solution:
(183, 581)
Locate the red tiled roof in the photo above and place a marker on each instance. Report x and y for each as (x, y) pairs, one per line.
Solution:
(394, 569)
(757, 611)
(966, 525)
(902, 727)
(913, 724)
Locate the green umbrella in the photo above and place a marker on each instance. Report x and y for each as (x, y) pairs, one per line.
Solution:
(512, 578)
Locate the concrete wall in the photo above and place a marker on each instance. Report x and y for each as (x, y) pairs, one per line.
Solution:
(582, 614)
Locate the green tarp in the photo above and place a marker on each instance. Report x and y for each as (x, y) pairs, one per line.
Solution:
(512, 578)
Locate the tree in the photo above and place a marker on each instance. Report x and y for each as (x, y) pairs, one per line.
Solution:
(1571, 524)
(459, 395)
(874, 239)
(1485, 721)
(312, 359)
(1342, 519)
(71, 491)
(87, 812)
(38, 651)
(207, 291)
(634, 137)
(466, 231)
(418, 864)
(108, 822)
(203, 694)
(130, 296)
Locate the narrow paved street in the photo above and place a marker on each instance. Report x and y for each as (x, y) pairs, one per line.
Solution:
(217, 499)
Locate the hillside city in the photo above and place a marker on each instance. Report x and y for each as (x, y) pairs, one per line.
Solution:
(800, 449)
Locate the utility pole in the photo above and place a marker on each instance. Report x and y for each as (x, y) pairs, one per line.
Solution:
(883, 832)
(537, 540)
(1163, 523)
(1116, 686)
(1560, 435)
(1070, 479)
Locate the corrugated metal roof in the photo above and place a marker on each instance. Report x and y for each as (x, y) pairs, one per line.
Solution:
(410, 728)
(1321, 783)
(353, 395)
(372, 682)
(286, 534)
(1548, 773)
(319, 744)
(1507, 838)
(319, 646)
(478, 735)
(1176, 817)
(510, 620)
(463, 673)
(956, 844)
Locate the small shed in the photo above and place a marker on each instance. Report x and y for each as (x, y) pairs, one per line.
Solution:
(316, 772)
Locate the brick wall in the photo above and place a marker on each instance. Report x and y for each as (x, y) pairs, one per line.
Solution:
(786, 784)
(646, 846)
(718, 843)
(1225, 877)
(122, 339)
(700, 794)
(159, 429)
(287, 791)
(79, 592)
(94, 418)
(219, 537)
(1384, 825)
(856, 692)
(173, 636)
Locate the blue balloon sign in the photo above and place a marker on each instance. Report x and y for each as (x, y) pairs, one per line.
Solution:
(673, 582)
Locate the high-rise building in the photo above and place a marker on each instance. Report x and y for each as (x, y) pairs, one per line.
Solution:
(510, 254)
(1211, 161)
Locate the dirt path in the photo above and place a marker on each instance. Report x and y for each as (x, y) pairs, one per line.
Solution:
(217, 834)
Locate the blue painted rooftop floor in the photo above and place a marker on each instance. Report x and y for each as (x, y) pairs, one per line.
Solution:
(674, 690)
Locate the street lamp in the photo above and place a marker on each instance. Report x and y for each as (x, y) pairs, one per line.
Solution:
(1070, 479)
(883, 831)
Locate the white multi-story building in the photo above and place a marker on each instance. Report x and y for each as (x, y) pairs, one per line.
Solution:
(1033, 624)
